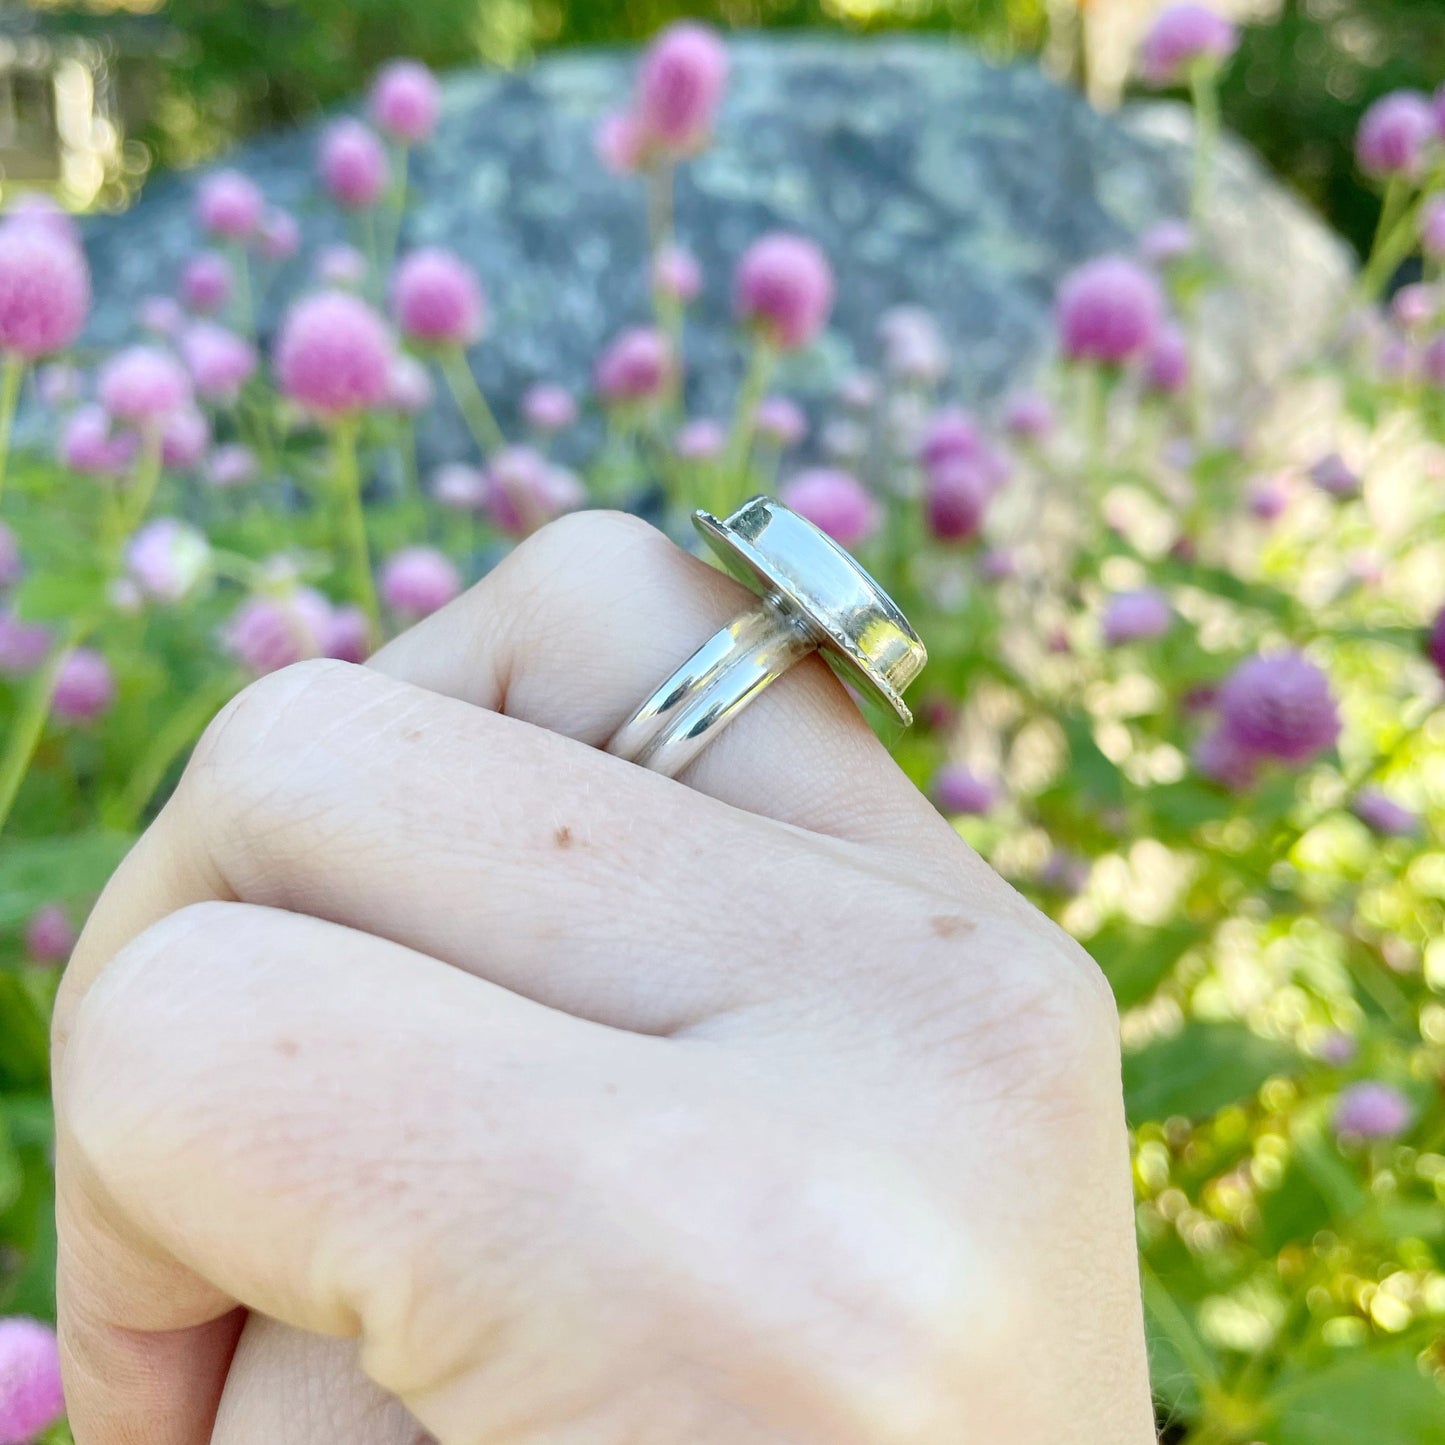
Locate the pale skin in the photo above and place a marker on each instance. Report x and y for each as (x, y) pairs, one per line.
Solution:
(427, 1074)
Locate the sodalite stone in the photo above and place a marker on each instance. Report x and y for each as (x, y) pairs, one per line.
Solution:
(929, 175)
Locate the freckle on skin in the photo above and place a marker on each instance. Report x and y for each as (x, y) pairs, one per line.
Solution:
(563, 837)
(951, 925)
(287, 1048)
(413, 735)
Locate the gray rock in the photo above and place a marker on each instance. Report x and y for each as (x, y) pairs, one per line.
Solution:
(928, 174)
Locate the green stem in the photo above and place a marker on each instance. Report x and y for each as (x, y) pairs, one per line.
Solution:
(733, 475)
(145, 482)
(11, 373)
(29, 725)
(242, 307)
(1204, 89)
(1394, 238)
(471, 402)
(351, 544)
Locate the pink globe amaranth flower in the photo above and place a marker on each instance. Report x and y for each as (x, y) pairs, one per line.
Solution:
(410, 391)
(37, 209)
(1139, 616)
(12, 569)
(60, 385)
(206, 283)
(701, 440)
(1279, 705)
(1028, 417)
(1268, 499)
(1394, 134)
(221, 362)
(619, 142)
(267, 632)
(1399, 360)
(676, 275)
(406, 101)
(1065, 873)
(278, 237)
(1338, 1048)
(549, 408)
(1109, 311)
(953, 439)
(144, 386)
(1166, 242)
(168, 558)
(680, 86)
(1415, 306)
(32, 1398)
(1435, 642)
(1334, 476)
(525, 490)
(1383, 815)
(780, 421)
(230, 465)
(185, 439)
(1166, 368)
(1220, 759)
(23, 645)
(88, 446)
(334, 355)
(354, 169)
(784, 289)
(160, 315)
(229, 205)
(437, 299)
(49, 938)
(1372, 1110)
(1432, 361)
(340, 266)
(459, 488)
(957, 789)
(1181, 37)
(1432, 228)
(998, 565)
(348, 635)
(955, 501)
(418, 581)
(836, 502)
(637, 366)
(913, 347)
(44, 291)
(84, 686)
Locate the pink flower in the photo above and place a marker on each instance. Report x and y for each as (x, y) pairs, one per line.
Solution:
(437, 299)
(220, 361)
(952, 438)
(406, 101)
(637, 366)
(44, 291)
(701, 440)
(354, 169)
(206, 283)
(1166, 242)
(185, 436)
(1394, 134)
(418, 581)
(231, 465)
(1371, 1110)
(1415, 306)
(1137, 616)
(1220, 759)
(84, 686)
(1279, 705)
(23, 645)
(1166, 368)
(680, 86)
(32, 1398)
(229, 205)
(1432, 229)
(676, 275)
(549, 408)
(1268, 499)
(1432, 361)
(619, 142)
(411, 391)
(341, 266)
(1028, 417)
(334, 355)
(1334, 476)
(780, 421)
(1108, 311)
(12, 569)
(913, 347)
(955, 501)
(87, 445)
(1181, 37)
(35, 208)
(997, 565)
(956, 789)
(348, 635)
(784, 289)
(49, 938)
(60, 385)
(143, 386)
(1383, 815)
(835, 501)
(266, 633)
(525, 490)
(459, 488)
(160, 315)
(167, 559)
(1338, 1048)
(278, 237)
(1435, 642)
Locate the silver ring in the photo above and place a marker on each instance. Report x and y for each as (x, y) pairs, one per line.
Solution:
(815, 598)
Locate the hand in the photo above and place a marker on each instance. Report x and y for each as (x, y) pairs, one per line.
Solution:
(425, 1069)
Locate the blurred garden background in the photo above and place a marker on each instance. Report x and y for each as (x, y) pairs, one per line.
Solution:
(1110, 335)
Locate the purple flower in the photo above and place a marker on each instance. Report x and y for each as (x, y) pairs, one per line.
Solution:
(1338, 1048)
(637, 366)
(859, 391)
(84, 686)
(1415, 306)
(88, 446)
(1393, 135)
(160, 315)
(1334, 476)
(23, 645)
(231, 465)
(409, 390)
(1372, 1110)
(60, 385)
(49, 938)
(278, 237)
(955, 501)
(680, 86)
(1432, 229)
(784, 289)
(167, 559)
(220, 361)
(334, 355)
(143, 386)
(348, 635)
(418, 581)
(701, 440)
(353, 164)
(1220, 759)
(549, 408)
(1109, 311)
(1432, 361)
(459, 488)
(1279, 705)
(836, 502)
(270, 632)
(206, 283)
(437, 299)
(1435, 642)
(1181, 37)
(997, 564)
(619, 142)
(32, 1398)
(1138, 616)
(676, 275)
(956, 789)
(780, 421)
(1166, 368)
(1166, 242)
(405, 101)
(341, 266)
(44, 291)
(525, 490)
(35, 208)
(1383, 815)
(1268, 499)
(229, 205)
(185, 436)
(913, 347)
(12, 569)
(1028, 417)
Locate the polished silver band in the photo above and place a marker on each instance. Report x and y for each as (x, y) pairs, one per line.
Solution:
(815, 597)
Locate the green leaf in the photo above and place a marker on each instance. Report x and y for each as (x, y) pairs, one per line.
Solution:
(1136, 960)
(62, 596)
(45, 870)
(25, 1050)
(1381, 1398)
(1201, 1069)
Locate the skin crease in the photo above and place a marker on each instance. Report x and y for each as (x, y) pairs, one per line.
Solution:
(427, 1074)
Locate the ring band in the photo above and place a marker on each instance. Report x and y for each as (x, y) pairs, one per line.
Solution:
(815, 598)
